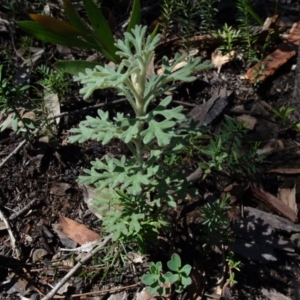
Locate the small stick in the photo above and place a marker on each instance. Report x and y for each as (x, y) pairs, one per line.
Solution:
(76, 267)
(25, 208)
(11, 235)
(13, 153)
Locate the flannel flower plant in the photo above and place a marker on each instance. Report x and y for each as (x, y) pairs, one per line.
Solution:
(132, 190)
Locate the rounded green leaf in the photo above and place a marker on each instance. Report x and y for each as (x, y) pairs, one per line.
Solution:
(171, 278)
(186, 281)
(186, 270)
(175, 263)
(148, 279)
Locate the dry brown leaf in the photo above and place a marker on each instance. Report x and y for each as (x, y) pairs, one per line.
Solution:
(274, 203)
(268, 22)
(144, 295)
(280, 56)
(52, 105)
(285, 171)
(77, 232)
(288, 197)
(218, 59)
(59, 188)
(249, 121)
(271, 147)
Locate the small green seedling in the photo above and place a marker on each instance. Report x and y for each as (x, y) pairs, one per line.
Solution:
(233, 265)
(178, 277)
(283, 113)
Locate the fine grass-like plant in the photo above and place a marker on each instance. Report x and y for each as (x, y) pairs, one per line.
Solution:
(229, 36)
(246, 19)
(215, 222)
(134, 190)
(231, 151)
(12, 103)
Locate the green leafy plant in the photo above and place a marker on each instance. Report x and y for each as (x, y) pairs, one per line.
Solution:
(11, 104)
(178, 277)
(246, 17)
(208, 12)
(54, 81)
(215, 223)
(233, 266)
(148, 133)
(231, 151)
(168, 16)
(229, 36)
(98, 35)
(282, 113)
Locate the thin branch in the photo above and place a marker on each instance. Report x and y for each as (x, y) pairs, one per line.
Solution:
(76, 267)
(22, 210)
(16, 251)
(13, 153)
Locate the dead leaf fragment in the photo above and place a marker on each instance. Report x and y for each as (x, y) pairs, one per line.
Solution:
(218, 59)
(288, 197)
(249, 121)
(77, 232)
(285, 170)
(59, 188)
(280, 56)
(274, 203)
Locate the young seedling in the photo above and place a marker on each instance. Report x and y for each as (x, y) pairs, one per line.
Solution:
(176, 279)
(134, 190)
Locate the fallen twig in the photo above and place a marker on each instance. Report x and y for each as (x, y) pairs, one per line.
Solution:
(25, 208)
(16, 251)
(76, 267)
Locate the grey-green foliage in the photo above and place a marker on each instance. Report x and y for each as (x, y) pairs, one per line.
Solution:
(148, 133)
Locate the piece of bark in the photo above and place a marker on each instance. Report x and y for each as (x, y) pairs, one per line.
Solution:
(253, 251)
(280, 56)
(207, 112)
(273, 203)
(279, 223)
(274, 295)
(258, 232)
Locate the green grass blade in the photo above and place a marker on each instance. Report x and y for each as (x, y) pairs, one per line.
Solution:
(56, 25)
(46, 35)
(102, 30)
(74, 67)
(254, 15)
(77, 22)
(135, 18)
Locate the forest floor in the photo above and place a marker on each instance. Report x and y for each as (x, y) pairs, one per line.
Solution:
(40, 197)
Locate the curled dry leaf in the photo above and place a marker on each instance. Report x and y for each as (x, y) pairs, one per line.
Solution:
(276, 59)
(218, 59)
(77, 232)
